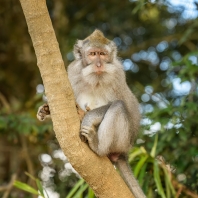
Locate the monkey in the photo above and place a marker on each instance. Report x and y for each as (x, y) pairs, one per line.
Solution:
(112, 118)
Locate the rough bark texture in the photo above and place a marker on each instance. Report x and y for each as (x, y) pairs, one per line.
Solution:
(97, 172)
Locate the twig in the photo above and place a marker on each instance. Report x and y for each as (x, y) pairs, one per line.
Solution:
(181, 188)
(8, 187)
(179, 192)
(26, 156)
(154, 41)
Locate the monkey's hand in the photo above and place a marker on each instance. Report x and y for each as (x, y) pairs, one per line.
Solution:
(43, 112)
(81, 113)
(89, 134)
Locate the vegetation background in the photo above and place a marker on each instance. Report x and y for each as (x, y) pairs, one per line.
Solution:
(158, 44)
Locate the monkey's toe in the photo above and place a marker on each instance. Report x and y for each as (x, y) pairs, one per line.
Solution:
(83, 138)
(87, 128)
(88, 132)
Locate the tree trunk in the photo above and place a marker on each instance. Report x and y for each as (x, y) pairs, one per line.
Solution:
(98, 172)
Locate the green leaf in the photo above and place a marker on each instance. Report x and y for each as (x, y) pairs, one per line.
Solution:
(153, 151)
(136, 153)
(74, 189)
(168, 193)
(80, 191)
(139, 165)
(40, 187)
(31, 176)
(158, 180)
(25, 187)
(142, 174)
(90, 193)
(169, 187)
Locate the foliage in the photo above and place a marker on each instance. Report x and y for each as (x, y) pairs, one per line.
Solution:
(25, 187)
(146, 166)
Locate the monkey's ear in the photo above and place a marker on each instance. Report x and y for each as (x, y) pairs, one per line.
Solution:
(78, 49)
(114, 50)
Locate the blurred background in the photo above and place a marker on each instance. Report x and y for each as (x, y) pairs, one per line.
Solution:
(158, 45)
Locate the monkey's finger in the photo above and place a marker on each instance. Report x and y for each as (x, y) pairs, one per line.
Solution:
(46, 109)
(42, 111)
(40, 117)
(83, 138)
(86, 128)
(84, 132)
(87, 108)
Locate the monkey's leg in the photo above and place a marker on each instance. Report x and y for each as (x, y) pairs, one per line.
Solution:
(43, 112)
(89, 125)
(113, 129)
(113, 132)
(127, 175)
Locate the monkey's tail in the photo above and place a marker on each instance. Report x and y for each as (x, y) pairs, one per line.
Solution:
(129, 178)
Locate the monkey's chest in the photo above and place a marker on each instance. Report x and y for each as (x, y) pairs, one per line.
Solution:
(91, 101)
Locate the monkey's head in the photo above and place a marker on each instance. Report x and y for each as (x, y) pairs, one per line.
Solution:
(98, 56)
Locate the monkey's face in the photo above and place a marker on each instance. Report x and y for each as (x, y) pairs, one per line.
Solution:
(99, 65)
(97, 57)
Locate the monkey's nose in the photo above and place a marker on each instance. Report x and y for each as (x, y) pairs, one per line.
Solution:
(98, 64)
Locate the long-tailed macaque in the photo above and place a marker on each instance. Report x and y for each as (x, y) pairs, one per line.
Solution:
(112, 117)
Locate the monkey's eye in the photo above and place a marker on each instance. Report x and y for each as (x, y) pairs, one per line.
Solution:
(103, 53)
(92, 53)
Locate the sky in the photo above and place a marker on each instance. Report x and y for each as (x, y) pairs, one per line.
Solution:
(190, 9)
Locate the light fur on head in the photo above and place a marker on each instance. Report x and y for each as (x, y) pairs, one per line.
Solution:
(96, 39)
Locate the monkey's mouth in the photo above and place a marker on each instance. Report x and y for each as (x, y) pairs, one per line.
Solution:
(102, 76)
(99, 72)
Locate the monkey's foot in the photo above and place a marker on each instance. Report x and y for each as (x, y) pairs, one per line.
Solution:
(43, 112)
(89, 134)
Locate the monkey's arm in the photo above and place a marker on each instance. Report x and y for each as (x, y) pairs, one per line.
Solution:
(95, 116)
(44, 112)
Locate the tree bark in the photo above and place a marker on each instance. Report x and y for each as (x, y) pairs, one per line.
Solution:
(98, 172)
